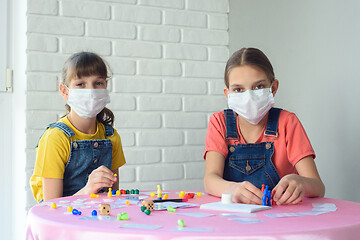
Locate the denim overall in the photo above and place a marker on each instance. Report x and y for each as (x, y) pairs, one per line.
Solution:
(251, 161)
(85, 156)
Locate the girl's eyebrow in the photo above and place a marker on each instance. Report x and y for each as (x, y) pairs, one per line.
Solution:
(235, 85)
(260, 81)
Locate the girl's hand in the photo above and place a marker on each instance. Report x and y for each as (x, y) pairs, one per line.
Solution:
(246, 192)
(289, 190)
(98, 179)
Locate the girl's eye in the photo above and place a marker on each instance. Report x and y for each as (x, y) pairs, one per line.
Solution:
(79, 84)
(99, 83)
(260, 86)
(238, 90)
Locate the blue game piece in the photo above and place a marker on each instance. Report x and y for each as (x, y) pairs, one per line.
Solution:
(113, 192)
(94, 213)
(268, 196)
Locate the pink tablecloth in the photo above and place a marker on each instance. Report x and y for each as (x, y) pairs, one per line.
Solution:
(344, 223)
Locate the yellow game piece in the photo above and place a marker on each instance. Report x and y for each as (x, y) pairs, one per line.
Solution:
(110, 193)
(198, 194)
(69, 209)
(93, 195)
(165, 196)
(115, 175)
(127, 202)
(152, 194)
(53, 206)
(159, 192)
(118, 193)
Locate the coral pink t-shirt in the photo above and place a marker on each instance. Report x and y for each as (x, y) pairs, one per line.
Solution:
(291, 145)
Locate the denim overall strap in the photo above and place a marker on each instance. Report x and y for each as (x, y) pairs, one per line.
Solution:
(230, 121)
(272, 122)
(65, 128)
(252, 161)
(109, 130)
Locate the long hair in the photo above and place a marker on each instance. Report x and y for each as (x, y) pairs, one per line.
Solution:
(84, 64)
(252, 57)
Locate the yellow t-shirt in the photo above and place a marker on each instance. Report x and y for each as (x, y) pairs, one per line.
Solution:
(53, 152)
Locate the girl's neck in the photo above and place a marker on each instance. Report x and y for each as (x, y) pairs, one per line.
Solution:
(84, 125)
(250, 132)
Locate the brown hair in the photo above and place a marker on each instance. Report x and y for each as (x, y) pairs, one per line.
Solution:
(84, 64)
(252, 57)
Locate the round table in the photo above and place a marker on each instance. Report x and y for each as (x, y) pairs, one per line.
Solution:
(46, 223)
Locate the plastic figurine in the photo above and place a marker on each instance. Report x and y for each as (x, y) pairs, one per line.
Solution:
(159, 192)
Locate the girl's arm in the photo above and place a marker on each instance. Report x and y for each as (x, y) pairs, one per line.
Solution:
(116, 184)
(243, 192)
(292, 188)
(52, 188)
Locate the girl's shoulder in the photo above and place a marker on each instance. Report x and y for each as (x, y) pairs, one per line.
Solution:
(288, 118)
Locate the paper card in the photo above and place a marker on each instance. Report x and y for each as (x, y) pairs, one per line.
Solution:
(281, 215)
(234, 207)
(246, 220)
(197, 214)
(140, 226)
(192, 229)
(99, 218)
(238, 215)
(164, 205)
(312, 213)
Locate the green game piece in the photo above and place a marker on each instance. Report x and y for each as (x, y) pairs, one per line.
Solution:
(123, 216)
(181, 223)
(137, 191)
(147, 211)
(143, 208)
(132, 191)
(171, 209)
(127, 191)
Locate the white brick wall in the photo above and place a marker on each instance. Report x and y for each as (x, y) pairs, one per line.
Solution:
(167, 59)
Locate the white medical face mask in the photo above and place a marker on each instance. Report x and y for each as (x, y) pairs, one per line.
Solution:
(87, 103)
(252, 105)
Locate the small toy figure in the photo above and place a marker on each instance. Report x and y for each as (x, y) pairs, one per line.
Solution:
(148, 205)
(266, 199)
(159, 192)
(104, 209)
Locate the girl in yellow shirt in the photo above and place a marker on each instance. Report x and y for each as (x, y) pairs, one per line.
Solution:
(81, 153)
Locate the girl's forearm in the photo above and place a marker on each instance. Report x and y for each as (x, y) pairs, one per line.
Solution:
(215, 185)
(314, 187)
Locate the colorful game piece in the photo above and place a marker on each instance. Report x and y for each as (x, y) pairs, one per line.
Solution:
(137, 191)
(93, 195)
(110, 193)
(123, 216)
(115, 175)
(147, 211)
(76, 212)
(165, 196)
(152, 194)
(262, 187)
(159, 192)
(93, 213)
(127, 202)
(132, 191)
(127, 191)
(69, 209)
(142, 208)
(181, 223)
(118, 193)
(53, 206)
(171, 209)
(148, 205)
(198, 194)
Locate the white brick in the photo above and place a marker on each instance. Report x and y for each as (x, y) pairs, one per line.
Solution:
(127, 138)
(30, 158)
(46, 7)
(137, 49)
(121, 1)
(185, 86)
(85, 9)
(110, 30)
(185, 120)
(121, 66)
(204, 69)
(40, 119)
(135, 85)
(205, 104)
(45, 63)
(161, 138)
(195, 137)
(195, 170)
(53, 25)
(42, 82)
(182, 18)
(160, 103)
(42, 43)
(127, 174)
(137, 14)
(159, 68)
(195, 185)
(219, 22)
(161, 172)
(219, 54)
(73, 45)
(221, 6)
(183, 154)
(191, 52)
(119, 102)
(44, 101)
(217, 87)
(205, 37)
(142, 186)
(142, 156)
(33, 137)
(164, 3)
(159, 34)
(137, 120)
